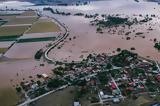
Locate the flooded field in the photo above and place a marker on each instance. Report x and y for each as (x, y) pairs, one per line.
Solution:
(88, 41)
(25, 50)
(15, 71)
(5, 44)
(18, 62)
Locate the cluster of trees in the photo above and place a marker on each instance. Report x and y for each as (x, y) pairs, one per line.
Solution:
(115, 21)
(157, 45)
(40, 91)
(138, 72)
(152, 87)
(111, 21)
(18, 89)
(136, 0)
(91, 16)
(59, 71)
(78, 14)
(146, 19)
(122, 59)
(56, 11)
(114, 72)
(55, 83)
(102, 76)
(38, 54)
(154, 67)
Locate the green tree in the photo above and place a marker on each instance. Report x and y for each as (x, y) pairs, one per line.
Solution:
(18, 89)
(109, 66)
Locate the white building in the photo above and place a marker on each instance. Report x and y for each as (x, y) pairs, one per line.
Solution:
(76, 104)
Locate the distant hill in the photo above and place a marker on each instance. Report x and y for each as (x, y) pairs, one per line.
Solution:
(154, 0)
(60, 2)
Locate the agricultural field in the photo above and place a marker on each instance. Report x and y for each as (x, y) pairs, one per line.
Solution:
(25, 20)
(2, 50)
(12, 31)
(36, 39)
(55, 99)
(7, 17)
(42, 26)
(14, 25)
(29, 13)
(8, 96)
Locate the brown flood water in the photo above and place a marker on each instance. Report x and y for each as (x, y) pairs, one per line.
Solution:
(15, 71)
(88, 41)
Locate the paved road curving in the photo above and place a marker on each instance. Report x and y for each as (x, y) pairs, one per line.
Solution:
(64, 36)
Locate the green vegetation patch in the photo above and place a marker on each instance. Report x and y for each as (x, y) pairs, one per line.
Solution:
(124, 58)
(54, 83)
(27, 20)
(11, 31)
(9, 38)
(102, 76)
(157, 45)
(41, 26)
(2, 50)
(2, 22)
(152, 87)
(36, 39)
(9, 14)
(138, 72)
(111, 21)
(38, 54)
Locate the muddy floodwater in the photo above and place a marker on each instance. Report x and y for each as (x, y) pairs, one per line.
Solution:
(83, 39)
(88, 41)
